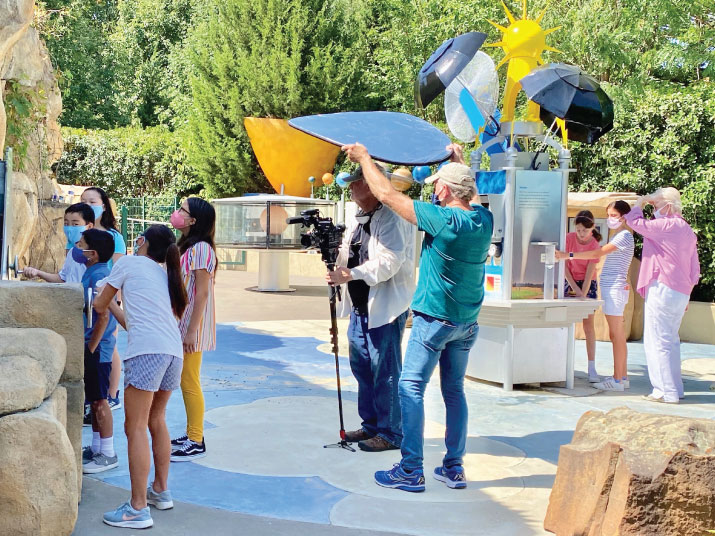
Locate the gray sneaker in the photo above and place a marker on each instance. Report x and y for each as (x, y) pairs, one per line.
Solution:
(99, 464)
(162, 501)
(87, 455)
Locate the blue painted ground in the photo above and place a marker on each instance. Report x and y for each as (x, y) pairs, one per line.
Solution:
(250, 365)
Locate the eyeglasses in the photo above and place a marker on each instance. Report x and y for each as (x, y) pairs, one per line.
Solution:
(187, 212)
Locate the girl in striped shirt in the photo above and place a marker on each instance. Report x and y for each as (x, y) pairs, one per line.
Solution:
(614, 289)
(196, 221)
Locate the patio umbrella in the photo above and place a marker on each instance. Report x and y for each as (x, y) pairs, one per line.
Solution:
(566, 92)
(444, 65)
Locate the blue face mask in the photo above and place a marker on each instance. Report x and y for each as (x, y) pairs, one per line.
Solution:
(73, 234)
(435, 200)
(78, 256)
(98, 210)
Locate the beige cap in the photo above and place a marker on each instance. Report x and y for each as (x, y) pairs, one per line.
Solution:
(453, 174)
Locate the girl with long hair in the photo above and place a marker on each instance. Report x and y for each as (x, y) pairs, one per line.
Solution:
(154, 300)
(614, 289)
(104, 220)
(196, 220)
(580, 282)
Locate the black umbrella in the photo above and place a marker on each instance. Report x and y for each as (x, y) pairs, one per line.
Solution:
(566, 92)
(444, 65)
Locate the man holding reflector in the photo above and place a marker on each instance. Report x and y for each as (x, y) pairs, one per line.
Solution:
(449, 294)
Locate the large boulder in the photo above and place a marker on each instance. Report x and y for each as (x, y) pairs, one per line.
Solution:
(47, 249)
(630, 473)
(48, 305)
(31, 363)
(38, 473)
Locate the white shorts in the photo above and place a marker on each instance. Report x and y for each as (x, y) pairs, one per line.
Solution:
(614, 299)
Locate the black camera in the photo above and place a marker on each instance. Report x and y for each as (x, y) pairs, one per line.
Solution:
(324, 235)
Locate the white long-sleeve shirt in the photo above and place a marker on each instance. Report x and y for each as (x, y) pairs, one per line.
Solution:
(389, 270)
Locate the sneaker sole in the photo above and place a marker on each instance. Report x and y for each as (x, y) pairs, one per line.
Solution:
(131, 524)
(450, 483)
(161, 505)
(369, 449)
(403, 487)
(115, 408)
(187, 458)
(93, 470)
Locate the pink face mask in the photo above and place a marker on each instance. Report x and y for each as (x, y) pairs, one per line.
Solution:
(177, 220)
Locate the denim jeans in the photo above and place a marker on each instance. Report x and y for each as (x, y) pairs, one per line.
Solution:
(376, 361)
(435, 341)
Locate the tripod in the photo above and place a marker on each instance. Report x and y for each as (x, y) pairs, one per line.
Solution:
(334, 297)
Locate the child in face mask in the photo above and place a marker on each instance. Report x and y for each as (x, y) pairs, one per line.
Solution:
(614, 289)
(78, 218)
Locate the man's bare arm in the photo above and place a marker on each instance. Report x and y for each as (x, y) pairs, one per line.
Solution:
(379, 185)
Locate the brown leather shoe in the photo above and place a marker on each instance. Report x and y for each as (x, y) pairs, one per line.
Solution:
(376, 444)
(357, 435)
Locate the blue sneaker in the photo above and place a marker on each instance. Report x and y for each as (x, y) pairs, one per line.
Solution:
(127, 517)
(399, 479)
(452, 476)
(162, 501)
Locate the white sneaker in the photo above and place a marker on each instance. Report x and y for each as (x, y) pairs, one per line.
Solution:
(594, 378)
(609, 384)
(626, 384)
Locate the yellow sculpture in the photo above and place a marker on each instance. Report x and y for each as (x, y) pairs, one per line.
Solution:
(523, 42)
(401, 179)
(288, 156)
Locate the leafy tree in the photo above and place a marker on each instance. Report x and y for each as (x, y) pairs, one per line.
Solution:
(268, 58)
(77, 36)
(148, 39)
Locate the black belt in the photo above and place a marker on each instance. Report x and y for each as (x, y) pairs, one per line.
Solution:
(360, 310)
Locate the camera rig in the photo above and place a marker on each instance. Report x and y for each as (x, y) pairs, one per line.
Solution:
(326, 237)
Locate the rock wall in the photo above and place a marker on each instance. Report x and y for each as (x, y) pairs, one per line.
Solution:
(24, 59)
(629, 473)
(59, 308)
(39, 470)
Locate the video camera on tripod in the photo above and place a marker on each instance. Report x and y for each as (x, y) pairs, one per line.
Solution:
(324, 235)
(327, 237)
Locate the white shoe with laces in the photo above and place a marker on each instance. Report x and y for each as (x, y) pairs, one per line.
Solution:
(609, 384)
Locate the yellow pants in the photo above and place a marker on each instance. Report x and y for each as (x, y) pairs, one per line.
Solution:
(193, 396)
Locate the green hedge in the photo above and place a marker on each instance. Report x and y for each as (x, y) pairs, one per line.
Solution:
(127, 162)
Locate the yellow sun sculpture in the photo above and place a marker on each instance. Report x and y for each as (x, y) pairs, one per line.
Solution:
(523, 42)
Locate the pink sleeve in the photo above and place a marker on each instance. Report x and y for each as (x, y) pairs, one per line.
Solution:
(643, 226)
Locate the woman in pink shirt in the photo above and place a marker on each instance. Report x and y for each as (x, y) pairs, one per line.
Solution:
(579, 278)
(669, 271)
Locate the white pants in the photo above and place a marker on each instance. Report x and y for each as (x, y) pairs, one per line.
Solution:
(664, 310)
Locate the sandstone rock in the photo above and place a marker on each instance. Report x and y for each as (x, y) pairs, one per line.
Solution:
(31, 363)
(75, 416)
(630, 473)
(47, 249)
(48, 305)
(38, 472)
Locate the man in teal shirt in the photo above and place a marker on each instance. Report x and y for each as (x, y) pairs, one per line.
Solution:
(445, 307)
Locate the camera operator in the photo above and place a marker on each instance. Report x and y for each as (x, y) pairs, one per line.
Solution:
(376, 260)
(445, 307)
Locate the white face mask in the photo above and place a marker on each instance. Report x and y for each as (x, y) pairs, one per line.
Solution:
(613, 223)
(658, 214)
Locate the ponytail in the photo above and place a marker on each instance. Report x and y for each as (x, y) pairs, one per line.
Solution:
(585, 218)
(177, 292)
(162, 248)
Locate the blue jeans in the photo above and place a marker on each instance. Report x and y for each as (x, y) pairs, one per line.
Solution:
(376, 361)
(435, 341)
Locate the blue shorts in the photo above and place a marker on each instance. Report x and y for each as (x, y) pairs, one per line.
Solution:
(153, 372)
(592, 290)
(96, 376)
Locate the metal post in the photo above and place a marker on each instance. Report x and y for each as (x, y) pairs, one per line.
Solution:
(508, 249)
(565, 167)
(7, 217)
(125, 218)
